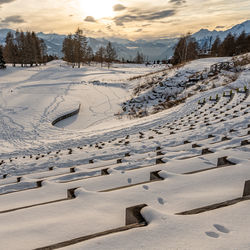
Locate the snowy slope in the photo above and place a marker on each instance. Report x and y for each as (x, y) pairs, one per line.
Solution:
(188, 157)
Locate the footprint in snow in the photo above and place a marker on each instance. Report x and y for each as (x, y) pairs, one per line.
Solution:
(129, 180)
(221, 228)
(161, 201)
(212, 234)
(145, 187)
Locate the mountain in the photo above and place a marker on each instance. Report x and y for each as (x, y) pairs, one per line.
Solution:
(158, 49)
(206, 36)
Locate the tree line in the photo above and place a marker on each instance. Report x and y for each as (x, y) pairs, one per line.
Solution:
(188, 49)
(25, 49)
(231, 45)
(77, 51)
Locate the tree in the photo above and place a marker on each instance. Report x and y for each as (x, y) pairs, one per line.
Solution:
(204, 48)
(228, 46)
(68, 49)
(89, 55)
(80, 44)
(2, 62)
(215, 47)
(20, 38)
(139, 58)
(241, 44)
(186, 49)
(76, 49)
(192, 49)
(10, 49)
(43, 51)
(110, 54)
(180, 51)
(100, 55)
(24, 48)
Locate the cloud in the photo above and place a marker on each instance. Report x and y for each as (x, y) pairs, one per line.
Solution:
(178, 2)
(108, 27)
(137, 15)
(146, 25)
(2, 2)
(119, 7)
(219, 27)
(13, 19)
(139, 30)
(90, 19)
(6, 1)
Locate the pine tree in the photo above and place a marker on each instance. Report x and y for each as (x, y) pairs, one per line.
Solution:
(100, 55)
(215, 47)
(79, 47)
(2, 62)
(76, 49)
(248, 43)
(68, 49)
(186, 49)
(241, 44)
(180, 51)
(139, 58)
(20, 38)
(43, 52)
(28, 49)
(192, 49)
(204, 48)
(89, 54)
(110, 54)
(228, 46)
(24, 48)
(10, 49)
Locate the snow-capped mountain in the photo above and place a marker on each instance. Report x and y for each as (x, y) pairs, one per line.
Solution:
(205, 35)
(153, 50)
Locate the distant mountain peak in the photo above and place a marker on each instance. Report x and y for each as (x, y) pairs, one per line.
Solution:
(153, 49)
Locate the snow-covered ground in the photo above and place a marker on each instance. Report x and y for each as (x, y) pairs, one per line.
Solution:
(108, 160)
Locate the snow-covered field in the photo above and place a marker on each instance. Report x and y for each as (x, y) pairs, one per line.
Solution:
(168, 161)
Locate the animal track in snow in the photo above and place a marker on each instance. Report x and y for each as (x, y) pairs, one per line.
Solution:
(212, 234)
(161, 201)
(221, 228)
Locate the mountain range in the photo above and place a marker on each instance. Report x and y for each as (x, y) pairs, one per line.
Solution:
(127, 49)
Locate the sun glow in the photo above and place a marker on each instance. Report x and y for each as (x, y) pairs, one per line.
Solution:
(97, 8)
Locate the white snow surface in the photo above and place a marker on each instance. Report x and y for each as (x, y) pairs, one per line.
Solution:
(72, 154)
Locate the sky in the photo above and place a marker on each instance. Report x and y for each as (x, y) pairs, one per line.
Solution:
(130, 19)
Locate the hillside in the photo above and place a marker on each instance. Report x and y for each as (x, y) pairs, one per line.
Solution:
(175, 179)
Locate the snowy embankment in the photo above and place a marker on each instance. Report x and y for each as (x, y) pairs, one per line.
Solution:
(71, 185)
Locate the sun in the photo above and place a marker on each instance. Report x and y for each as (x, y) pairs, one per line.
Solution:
(97, 8)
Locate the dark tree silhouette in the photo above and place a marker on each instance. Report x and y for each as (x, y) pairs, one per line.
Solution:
(185, 50)
(110, 54)
(215, 47)
(2, 62)
(24, 49)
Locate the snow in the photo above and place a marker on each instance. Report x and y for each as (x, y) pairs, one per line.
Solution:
(73, 153)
